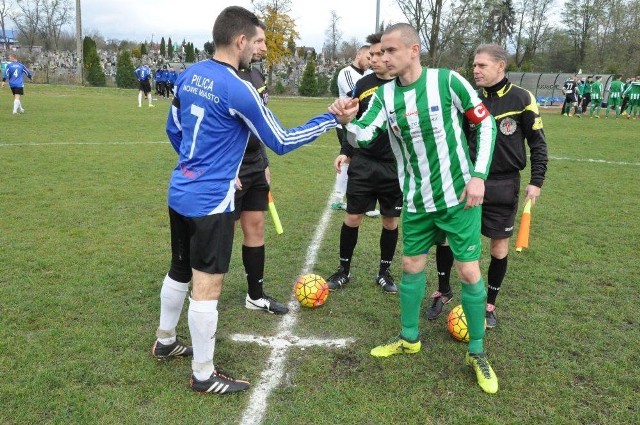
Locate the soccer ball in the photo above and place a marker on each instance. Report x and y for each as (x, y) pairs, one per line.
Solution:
(311, 290)
(457, 324)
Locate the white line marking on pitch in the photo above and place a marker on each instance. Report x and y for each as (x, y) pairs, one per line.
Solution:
(271, 377)
(8, 145)
(596, 161)
(81, 143)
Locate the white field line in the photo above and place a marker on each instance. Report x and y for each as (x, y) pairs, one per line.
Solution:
(8, 145)
(595, 161)
(313, 145)
(273, 374)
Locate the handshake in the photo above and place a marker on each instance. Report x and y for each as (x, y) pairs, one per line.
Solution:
(345, 109)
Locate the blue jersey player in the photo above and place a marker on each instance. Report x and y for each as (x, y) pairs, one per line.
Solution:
(212, 115)
(14, 73)
(143, 74)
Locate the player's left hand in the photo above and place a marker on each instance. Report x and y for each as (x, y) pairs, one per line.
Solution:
(473, 192)
(532, 192)
(238, 184)
(341, 159)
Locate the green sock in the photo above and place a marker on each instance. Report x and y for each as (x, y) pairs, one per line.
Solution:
(412, 289)
(474, 304)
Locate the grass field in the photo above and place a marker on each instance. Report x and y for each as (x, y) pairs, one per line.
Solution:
(84, 246)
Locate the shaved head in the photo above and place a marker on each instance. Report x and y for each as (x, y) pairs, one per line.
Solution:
(408, 34)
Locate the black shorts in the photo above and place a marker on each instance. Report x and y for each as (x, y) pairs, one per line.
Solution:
(254, 195)
(370, 181)
(499, 207)
(17, 90)
(145, 86)
(201, 243)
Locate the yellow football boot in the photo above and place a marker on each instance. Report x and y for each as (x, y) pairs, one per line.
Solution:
(487, 378)
(398, 345)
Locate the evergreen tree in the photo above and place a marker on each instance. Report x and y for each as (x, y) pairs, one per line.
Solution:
(163, 47)
(88, 44)
(170, 48)
(93, 71)
(333, 86)
(309, 83)
(143, 49)
(323, 85)
(209, 48)
(189, 53)
(125, 77)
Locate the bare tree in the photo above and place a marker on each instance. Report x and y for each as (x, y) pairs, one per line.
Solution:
(55, 15)
(348, 49)
(437, 22)
(5, 12)
(531, 28)
(26, 16)
(581, 16)
(42, 20)
(334, 36)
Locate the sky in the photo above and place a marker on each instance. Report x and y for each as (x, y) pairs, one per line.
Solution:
(192, 20)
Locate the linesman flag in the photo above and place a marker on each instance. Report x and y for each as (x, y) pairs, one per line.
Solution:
(274, 215)
(522, 241)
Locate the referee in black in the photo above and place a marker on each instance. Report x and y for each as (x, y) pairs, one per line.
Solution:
(251, 202)
(517, 118)
(372, 178)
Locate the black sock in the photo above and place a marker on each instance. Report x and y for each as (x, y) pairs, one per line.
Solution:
(253, 260)
(348, 241)
(388, 243)
(444, 263)
(495, 276)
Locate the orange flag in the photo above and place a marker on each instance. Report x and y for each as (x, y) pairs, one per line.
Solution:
(525, 226)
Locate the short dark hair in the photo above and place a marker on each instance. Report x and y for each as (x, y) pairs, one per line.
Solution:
(496, 51)
(374, 38)
(232, 22)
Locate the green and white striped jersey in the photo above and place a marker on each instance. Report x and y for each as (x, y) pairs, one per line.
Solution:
(596, 90)
(425, 125)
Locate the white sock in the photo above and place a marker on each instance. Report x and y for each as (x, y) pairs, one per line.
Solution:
(139, 99)
(172, 297)
(150, 98)
(16, 105)
(203, 324)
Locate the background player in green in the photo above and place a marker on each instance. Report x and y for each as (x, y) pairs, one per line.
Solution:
(517, 118)
(633, 91)
(422, 111)
(615, 96)
(372, 177)
(597, 90)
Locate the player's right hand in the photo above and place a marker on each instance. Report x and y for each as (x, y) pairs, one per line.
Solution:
(344, 109)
